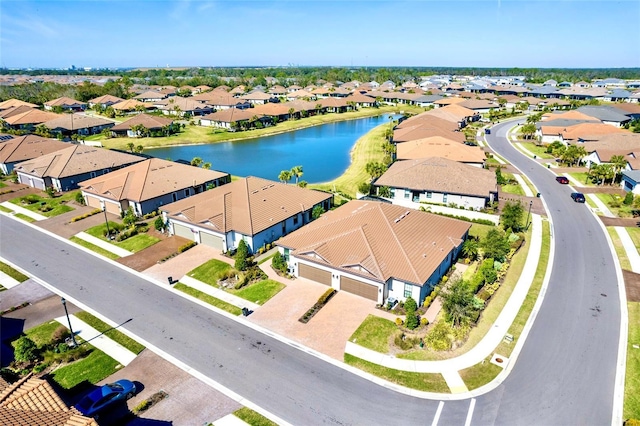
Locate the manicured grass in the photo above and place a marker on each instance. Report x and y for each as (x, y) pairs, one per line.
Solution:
(110, 332)
(210, 271)
(58, 205)
(421, 381)
(367, 149)
(616, 207)
(16, 275)
(138, 242)
(632, 378)
(98, 231)
(470, 271)
(582, 178)
(93, 368)
(514, 188)
(634, 233)
(259, 292)
(5, 209)
(266, 258)
(2, 184)
(25, 217)
(374, 333)
(479, 374)
(220, 304)
(252, 418)
(620, 251)
(41, 334)
(200, 134)
(480, 231)
(539, 151)
(94, 248)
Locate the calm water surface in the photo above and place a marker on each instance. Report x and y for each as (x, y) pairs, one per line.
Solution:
(322, 151)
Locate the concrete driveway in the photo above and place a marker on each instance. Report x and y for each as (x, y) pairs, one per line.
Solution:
(178, 266)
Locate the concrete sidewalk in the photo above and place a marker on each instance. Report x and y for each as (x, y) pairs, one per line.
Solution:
(490, 341)
(103, 244)
(601, 206)
(523, 184)
(629, 248)
(575, 182)
(218, 293)
(7, 282)
(89, 334)
(22, 210)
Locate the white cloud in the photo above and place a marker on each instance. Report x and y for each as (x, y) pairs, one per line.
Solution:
(31, 24)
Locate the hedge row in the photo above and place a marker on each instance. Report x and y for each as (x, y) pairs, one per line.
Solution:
(86, 215)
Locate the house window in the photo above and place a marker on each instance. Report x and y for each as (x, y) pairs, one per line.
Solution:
(407, 290)
(444, 198)
(407, 194)
(92, 174)
(295, 220)
(392, 191)
(284, 227)
(187, 192)
(429, 194)
(174, 197)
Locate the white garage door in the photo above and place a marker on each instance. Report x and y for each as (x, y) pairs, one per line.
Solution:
(182, 231)
(211, 240)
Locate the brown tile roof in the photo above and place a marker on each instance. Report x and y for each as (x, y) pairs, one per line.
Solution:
(130, 105)
(450, 100)
(475, 104)
(14, 110)
(232, 115)
(105, 99)
(148, 179)
(453, 113)
(423, 119)
(272, 109)
(150, 94)
(438, 146)
(256, 96)
(217, 98)
(629, 107)
(32, 401)
(22, 148)
(185, 104)
(332, 102)
(421, 127)
(75, 160)
(300, 94)
(608, 145)
(359, 98)
(31, 116)
(439, 175)
(378, 241)
(63, 101)
(76, 121)
(247, 206)
(148, 121)
(578, 131)
(14, 103)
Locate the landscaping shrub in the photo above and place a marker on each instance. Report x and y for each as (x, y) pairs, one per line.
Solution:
(488, 272)
(324, 298)
(186, 246)
(440, 336)
(60, 334)
(427, 301)
(80, 198)
(410, 307)
(424, 321)
(50, 191)
(628, 199)
(30, 199)
(159, 224)
(241, 256)
(632, 422)
(25, 350)
(399, 322)
(279, 263)
(86, 215)
(403, 342)
(127, 233)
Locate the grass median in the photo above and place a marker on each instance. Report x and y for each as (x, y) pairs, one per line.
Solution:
(220, 304)
(112, 333)
(94, 248)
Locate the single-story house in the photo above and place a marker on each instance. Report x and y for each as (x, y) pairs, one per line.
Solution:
(252, 209)
(131, 106)
(23, 148)
(25, 118)
(219, 100)
(375, 250)
(601, 148)
(150, 122)
(148, 185)
(150, 96)
(334, 104)
(361, 100)
(606, 114)
(79, 124)
(104, 101)
(259, 98)
(180, 106)
(631, 180)
(440, 181)
(65, 103)
(63, 170)
(439, 146)
(228, 118)
(11, 103)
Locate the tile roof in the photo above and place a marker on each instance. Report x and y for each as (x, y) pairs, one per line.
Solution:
(105, 99)
(247, 206)
(150, 94)
(63, 101)
(148, 121)
(604, 113)
(439, 175)
(14, 110)
(76, 121)
(185, 104)
(438, 146)
(232, 115)
(628, 108)
(580, 130)
(31, 116)
(22, 148)
(378, 241)
(148, 179)
(14, 103)
(333, 102)
(75, 160)
(453, 113)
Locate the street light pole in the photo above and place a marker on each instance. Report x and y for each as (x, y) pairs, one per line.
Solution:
(73, 336)
(106, 221)
(529, 215)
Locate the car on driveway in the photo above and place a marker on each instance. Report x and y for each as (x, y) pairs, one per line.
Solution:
(562, 179)
(578, 197)
(99, 399)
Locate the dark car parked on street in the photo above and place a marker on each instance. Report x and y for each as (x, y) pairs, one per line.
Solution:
(578, 197)
(562, 179)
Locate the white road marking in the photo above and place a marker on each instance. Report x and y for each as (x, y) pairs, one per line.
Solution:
(438, 412)
(472, 405)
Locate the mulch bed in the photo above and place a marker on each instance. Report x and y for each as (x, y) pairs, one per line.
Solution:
(616, 221)
(144, 259)
(632, 285)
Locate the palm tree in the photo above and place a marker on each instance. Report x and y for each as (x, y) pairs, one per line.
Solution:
(291, 111)
(618, 162)
(285, 176)
(206, 166)
(470, 248)
(297, 172)
(138, 149)
(196, 161)
(131, 145)
(528, 130)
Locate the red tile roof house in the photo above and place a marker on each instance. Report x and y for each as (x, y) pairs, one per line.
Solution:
(439, 180)
(65, 103)
(23, 148)
(376, 250)
(152, 123)
(63, 170)
(148, 185)
(252, 209)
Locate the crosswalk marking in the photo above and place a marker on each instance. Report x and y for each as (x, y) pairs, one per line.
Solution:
(438, 412)
(472, 405)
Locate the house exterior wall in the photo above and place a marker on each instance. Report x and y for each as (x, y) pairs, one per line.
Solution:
(459, 200)
(32, 181)
(629, 184)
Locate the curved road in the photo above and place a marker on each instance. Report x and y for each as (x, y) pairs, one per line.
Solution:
(564, 375)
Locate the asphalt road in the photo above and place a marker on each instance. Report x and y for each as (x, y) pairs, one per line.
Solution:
(565, 373)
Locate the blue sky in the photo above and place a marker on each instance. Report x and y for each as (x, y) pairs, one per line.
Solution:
(505, 33)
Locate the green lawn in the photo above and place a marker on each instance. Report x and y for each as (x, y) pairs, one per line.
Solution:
(220, 304)
(539, 151)
(420, 381)
(137, 242)
(259, 292)
(252, 418)
(110, 332)
(93, 368)
(210, 271)
(374, 333)
(614, 203)
(514, 188)
(41, 334)
(58, 205)
(634, 233)
(479, 374)
(620, 251)
(5, 209)
(632, 379)
(16, 275)
(582, 178)
(2, 184)
(25, 217)
(479, 230)
(94, 248)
